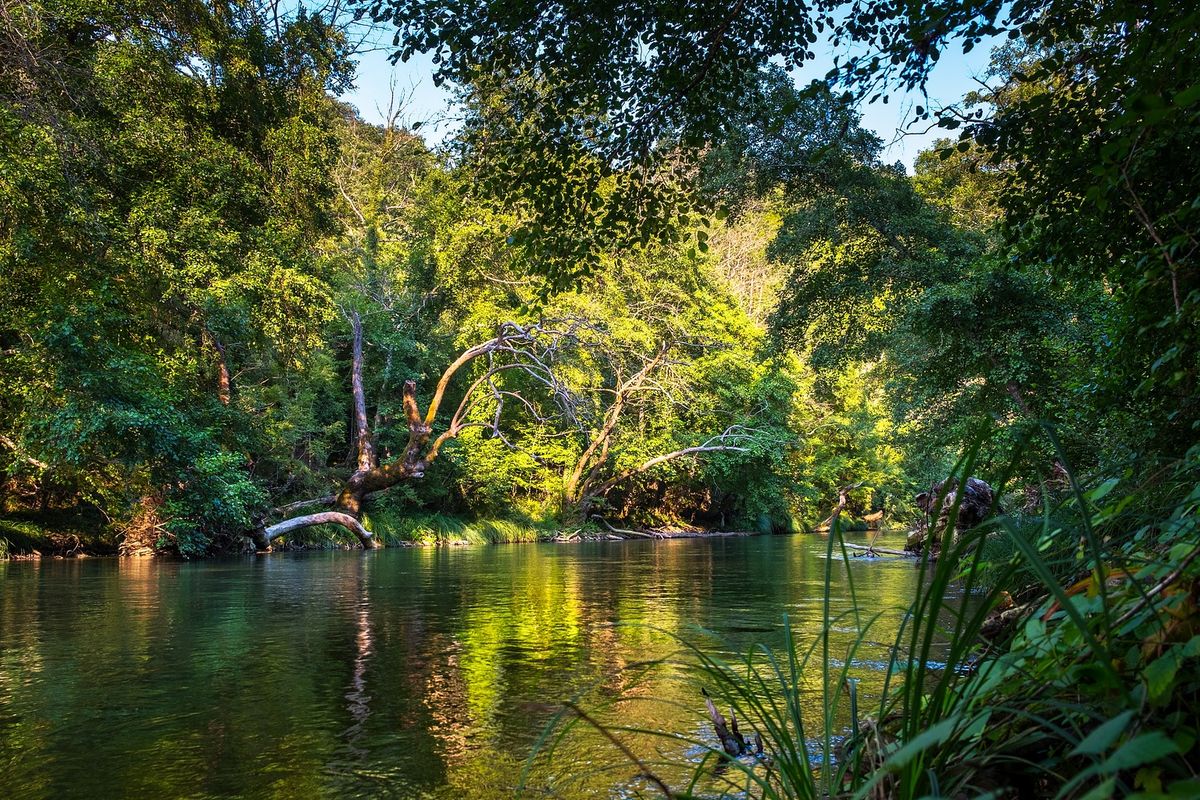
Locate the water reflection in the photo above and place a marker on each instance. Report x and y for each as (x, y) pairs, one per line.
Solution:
(427, 672)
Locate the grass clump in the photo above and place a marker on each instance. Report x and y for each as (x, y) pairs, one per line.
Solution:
(393, 528)
(52, 534)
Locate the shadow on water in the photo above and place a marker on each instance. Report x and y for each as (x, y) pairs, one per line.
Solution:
(407, 672)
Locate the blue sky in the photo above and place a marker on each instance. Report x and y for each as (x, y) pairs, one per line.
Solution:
(429, 105)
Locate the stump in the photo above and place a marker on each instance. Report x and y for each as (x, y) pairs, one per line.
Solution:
(973, 508)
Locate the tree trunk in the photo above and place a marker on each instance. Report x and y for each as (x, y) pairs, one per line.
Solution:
(363, 444)
(370, 476)
(224, 382)
(263, 537)
(411, 464)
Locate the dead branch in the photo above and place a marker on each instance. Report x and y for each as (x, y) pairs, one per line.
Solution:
(326, 500)
(626, 531)
(733, 433)
(263, 537)
(577, 482)
(364, 444)
(11, 445)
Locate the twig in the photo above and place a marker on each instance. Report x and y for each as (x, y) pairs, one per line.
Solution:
(1159, 588)
(645, 771)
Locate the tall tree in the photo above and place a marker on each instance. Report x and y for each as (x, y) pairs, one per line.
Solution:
(165, 182)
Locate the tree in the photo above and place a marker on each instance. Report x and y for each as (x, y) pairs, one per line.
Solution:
(1091, 163)
(594, 474)
(525, 348)
(1078, 130)
(165, 182)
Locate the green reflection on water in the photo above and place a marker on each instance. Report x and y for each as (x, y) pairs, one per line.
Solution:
(402, 673)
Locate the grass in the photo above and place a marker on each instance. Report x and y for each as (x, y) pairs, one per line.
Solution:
(1091, 692)
(393, 527)
(436, 528)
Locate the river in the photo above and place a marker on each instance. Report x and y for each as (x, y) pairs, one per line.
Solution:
(407, 672)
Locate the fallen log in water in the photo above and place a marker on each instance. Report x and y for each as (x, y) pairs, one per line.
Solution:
(626, 532)
(882, 551)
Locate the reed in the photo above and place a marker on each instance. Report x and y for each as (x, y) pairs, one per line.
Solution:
(1090, 691)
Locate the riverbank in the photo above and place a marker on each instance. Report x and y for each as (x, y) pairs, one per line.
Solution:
(65, 536)
(29, 537)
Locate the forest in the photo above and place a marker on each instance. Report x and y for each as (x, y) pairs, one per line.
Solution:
(650, 284)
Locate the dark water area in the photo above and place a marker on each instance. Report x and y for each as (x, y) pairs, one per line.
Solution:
(423, 672)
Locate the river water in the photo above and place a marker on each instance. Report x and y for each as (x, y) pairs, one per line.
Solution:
(415, 672)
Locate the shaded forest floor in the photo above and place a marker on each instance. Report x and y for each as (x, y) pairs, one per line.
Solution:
(54, 534)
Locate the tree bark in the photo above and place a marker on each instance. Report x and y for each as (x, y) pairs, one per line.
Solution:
(224, 382)
(411, 464)
(363, 444)
(326, 500)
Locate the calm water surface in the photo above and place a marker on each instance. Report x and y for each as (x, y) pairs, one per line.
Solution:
(424, 672)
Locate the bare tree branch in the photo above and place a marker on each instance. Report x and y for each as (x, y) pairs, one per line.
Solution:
(264, 537)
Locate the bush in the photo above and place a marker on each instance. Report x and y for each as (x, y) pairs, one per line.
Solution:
(212, 506)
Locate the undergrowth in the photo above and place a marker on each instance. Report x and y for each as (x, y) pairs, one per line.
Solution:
(437, 528)
(1085, 685)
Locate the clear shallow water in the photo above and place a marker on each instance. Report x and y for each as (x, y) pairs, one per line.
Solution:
(396, 673)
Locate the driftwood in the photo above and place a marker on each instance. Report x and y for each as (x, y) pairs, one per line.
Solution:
(872, 550)
(626, 531)
(732, 741)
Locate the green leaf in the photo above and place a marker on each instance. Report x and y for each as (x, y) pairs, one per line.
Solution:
(1102, 792)
(921, 742)
(1139, 750)
(1188, 788)
(1192, 648)
(1103, 736)
(1188, 96)
(1160, 675)
(1103, 489)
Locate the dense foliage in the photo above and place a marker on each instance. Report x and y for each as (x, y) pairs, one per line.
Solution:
(228, 298)
(192, 222)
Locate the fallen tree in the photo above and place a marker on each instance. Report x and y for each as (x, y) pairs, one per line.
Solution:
(530, 349)
(537, 352)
